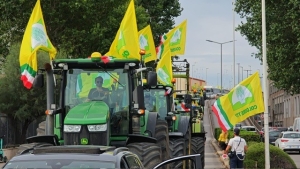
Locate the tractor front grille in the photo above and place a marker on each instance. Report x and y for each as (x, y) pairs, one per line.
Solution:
(94, 138)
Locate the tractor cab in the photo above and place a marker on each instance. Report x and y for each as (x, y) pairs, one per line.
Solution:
(99, 100)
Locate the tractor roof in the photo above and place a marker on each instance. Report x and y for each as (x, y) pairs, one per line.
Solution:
(92, 63)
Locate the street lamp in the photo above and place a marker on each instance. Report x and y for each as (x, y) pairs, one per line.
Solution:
(206, 76)
(221, 55)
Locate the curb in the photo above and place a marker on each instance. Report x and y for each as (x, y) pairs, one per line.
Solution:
(219, 153)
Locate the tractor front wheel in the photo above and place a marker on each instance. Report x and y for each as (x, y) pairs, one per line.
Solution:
(177, 148)
(148, 153)
(198, 148)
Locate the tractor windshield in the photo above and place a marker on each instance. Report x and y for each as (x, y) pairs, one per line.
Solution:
(156, 101)
(85, 85)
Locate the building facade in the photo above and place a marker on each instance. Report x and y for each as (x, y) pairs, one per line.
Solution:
(283, 107)
(181, 84)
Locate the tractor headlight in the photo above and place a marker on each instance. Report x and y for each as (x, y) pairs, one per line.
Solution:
(98, 127)
(72, 128)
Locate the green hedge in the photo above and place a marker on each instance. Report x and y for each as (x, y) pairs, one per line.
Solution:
(255, 157)
(248, 136)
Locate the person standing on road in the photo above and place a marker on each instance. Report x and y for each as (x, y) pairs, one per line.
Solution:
(223, 140)
(238, 147)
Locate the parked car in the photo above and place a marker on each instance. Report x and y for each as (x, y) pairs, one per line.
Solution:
(273, 135)
(249, 128)
(282, 128)
(88, 157)
(261, 132)
(288, 141)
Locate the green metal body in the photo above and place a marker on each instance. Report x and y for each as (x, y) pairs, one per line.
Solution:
(79, 120)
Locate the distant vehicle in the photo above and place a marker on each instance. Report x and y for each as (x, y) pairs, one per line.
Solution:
(296, 125)
(249, 128)
(211, 92)
(273, 136)
(238, 125)
(288, 141)
(261, 132)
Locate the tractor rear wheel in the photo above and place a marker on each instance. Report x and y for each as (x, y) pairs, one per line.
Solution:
(148, 153)
(41, 129)
(24, 147)
(198, 148)
(177, 148)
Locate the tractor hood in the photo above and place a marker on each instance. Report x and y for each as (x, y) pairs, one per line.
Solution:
(94, 112)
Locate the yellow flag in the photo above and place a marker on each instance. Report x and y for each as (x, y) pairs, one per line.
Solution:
(164, 66)
(177, 39)
(35, 38)
(147, 43)
(126, 43)
(243, 101)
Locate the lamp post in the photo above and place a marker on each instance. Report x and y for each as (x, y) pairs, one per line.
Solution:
(242, 73)
(221, 54)
(238, 72)
(206, 76)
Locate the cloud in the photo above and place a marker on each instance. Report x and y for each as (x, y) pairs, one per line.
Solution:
(213, 20)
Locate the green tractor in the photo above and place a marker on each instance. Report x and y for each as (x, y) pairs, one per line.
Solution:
(186, 132)
(80, 112)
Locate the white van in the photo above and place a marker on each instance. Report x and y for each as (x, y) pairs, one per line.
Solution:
(296, 125)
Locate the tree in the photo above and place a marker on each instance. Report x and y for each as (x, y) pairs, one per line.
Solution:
(21, 105)
(283, 34)
(82, 27)
(162, 14)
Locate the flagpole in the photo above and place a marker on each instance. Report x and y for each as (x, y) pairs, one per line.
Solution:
(233, 15)
(266, 89)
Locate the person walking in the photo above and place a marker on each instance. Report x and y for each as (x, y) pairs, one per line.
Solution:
(223, 140)
(238, 148)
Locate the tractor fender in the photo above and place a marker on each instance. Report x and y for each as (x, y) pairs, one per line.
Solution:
(151, 123)
(137, 138)
(183, 124)
(175, 134)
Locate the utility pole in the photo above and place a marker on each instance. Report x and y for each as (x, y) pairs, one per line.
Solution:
(238, 72)
(242, 73)
(247, 72)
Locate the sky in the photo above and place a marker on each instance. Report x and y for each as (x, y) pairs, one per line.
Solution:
(213, 20)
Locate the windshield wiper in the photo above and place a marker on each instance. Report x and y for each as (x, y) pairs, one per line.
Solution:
(111, 75)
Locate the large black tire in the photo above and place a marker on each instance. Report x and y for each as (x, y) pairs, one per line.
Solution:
(148, 153)
(24, 147)
(162, 136)
(177, 148)
(41, 129)
(198, 148)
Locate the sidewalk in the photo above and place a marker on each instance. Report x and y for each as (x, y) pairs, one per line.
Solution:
(219, 152)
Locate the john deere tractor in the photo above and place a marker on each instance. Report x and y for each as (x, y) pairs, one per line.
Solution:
(116, 117)
(186, 132)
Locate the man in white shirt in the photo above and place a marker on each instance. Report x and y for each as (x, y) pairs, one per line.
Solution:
(237, 145)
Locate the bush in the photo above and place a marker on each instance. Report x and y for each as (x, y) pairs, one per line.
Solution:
(248, 136)
(255, 157)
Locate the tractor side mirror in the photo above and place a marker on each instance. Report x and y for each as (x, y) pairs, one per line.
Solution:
(38, 81)
(152, 78)
(138, 97)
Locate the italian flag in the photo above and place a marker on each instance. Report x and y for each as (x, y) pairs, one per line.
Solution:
(35, 38)
(221, 115)
(161, 47)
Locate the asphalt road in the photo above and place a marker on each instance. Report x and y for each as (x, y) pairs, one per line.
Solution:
(296, 157)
